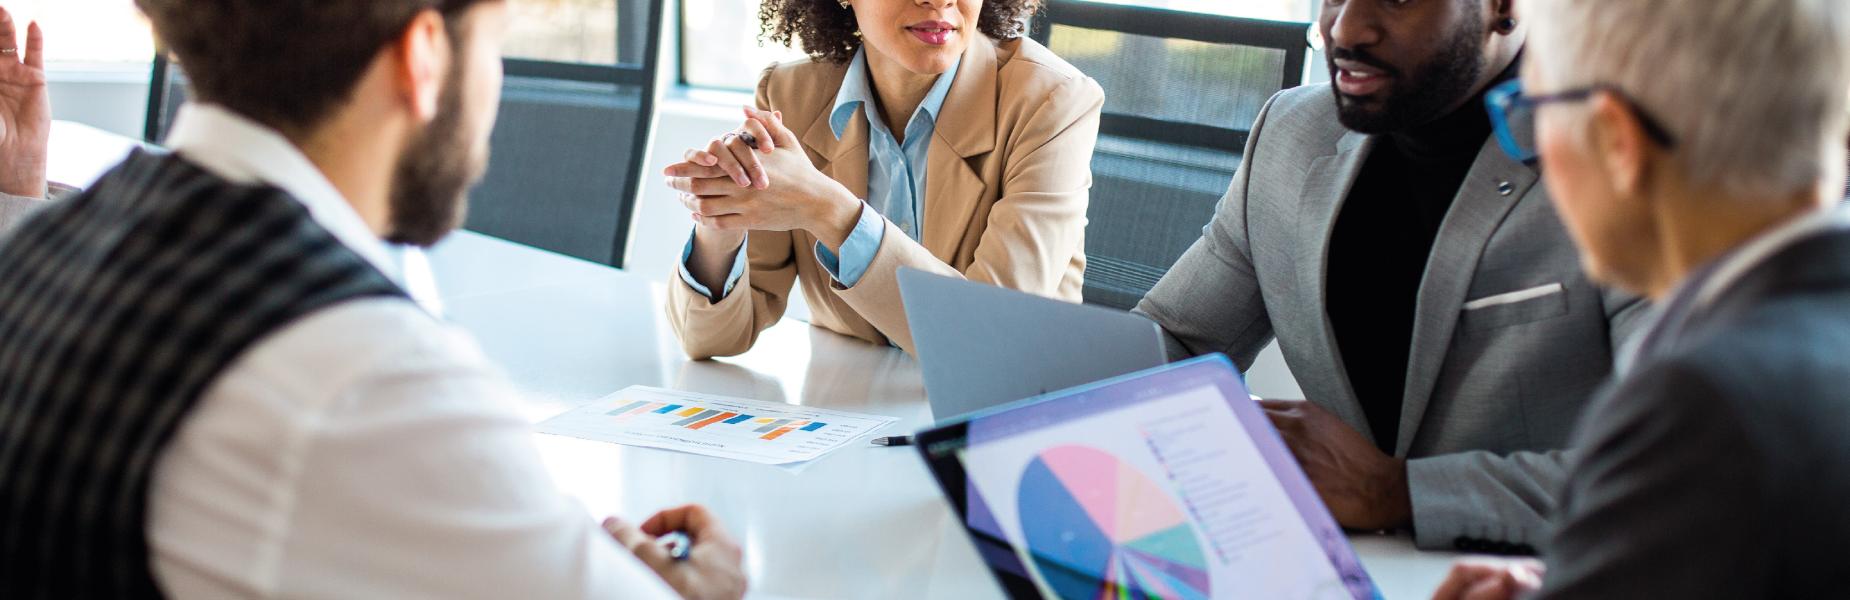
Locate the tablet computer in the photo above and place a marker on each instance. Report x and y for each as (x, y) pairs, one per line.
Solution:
(1166, 483)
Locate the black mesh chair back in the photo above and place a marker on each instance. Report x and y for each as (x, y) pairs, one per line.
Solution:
(568, 148)
(570, 144)
(1181, 91)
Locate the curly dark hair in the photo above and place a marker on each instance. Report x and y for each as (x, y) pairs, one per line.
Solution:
(826, 30)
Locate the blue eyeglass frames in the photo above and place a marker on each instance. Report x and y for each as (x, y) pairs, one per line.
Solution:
(1512, 114)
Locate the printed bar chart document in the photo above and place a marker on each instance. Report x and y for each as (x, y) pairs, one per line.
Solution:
(767, 433)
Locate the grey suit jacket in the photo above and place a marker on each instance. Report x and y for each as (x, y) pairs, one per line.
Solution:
(1510, 341)
(1718, 467)
(14, 209)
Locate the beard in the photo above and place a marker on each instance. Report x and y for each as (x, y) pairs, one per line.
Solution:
(1434, 88)
(430, 184)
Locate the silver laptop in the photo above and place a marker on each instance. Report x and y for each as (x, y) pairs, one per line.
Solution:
(982, 346)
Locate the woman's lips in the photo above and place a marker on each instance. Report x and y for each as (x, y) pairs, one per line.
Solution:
(936, 34)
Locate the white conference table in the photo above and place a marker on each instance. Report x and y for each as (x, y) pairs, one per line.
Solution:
(864, 522)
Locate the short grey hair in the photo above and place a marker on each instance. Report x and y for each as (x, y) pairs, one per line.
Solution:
(1756, 92)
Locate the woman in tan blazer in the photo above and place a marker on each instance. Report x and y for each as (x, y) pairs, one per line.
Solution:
(826, 174)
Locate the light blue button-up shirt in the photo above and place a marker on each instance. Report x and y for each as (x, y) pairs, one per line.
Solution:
(895, 177)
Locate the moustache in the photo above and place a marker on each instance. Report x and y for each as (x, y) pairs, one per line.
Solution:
(1361, 56)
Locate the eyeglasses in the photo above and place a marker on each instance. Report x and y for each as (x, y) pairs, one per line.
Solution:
(1512, 114)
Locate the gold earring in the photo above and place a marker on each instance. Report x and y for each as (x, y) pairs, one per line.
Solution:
(857, 33)
(844, 4)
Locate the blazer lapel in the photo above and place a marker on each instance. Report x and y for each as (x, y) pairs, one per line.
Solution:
(1326, 186)
(966, 128)
(1480, 207)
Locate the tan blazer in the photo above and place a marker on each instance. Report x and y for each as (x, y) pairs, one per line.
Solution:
(1007, 177)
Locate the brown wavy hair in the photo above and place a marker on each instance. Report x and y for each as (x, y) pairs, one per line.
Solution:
(826, 30)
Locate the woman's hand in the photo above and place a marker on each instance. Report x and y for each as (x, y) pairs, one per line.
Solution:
(25, 110)
(733, 155)
(781, 189)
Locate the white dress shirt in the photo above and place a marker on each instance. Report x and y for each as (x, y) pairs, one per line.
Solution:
(367, 451)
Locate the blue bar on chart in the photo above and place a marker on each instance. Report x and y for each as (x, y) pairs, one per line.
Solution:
(813, 426)
(696, 418)
(772, 426)
(627, 407)
(738, 419)
(668, 409)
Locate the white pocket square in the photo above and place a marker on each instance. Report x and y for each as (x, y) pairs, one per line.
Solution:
(1516, 296)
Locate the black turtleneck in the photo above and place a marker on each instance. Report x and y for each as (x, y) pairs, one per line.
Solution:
(1378, 252)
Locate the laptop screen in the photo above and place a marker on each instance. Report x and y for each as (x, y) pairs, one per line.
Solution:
(1168, 483)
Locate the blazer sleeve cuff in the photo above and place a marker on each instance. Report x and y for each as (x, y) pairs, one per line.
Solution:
(876, 296)
(1457, 506)
(709, 328)
(732, 279)
(857, 252)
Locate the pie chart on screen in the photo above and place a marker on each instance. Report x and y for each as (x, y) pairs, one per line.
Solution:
(1098, 528)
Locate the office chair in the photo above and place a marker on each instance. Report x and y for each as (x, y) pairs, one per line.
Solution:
(1181, 93)
(568, 148)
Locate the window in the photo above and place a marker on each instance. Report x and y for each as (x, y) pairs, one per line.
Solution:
(87, 31)
(720, 46)
(1276, 10)
(575, 31)
(113, 31)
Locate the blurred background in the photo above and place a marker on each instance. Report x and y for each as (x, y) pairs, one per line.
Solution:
(99, 54)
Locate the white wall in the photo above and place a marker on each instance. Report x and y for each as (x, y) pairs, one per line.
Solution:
(110, 97)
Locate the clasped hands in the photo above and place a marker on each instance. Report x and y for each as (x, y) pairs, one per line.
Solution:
(759, 178)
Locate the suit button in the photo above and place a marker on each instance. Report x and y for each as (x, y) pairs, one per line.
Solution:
(1506, 188)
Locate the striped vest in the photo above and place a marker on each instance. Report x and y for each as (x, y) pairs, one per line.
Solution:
(118, 307)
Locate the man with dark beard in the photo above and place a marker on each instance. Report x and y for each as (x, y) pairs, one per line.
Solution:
(213, 382)
(1417, 280)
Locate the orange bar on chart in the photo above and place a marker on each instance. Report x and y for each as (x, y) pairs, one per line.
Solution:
(783, 430)
(721, 417)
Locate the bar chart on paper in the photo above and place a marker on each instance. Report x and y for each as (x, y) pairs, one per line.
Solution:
(750, 430)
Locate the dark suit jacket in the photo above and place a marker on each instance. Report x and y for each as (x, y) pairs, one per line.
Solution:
(1510, 342)
(1720, 466)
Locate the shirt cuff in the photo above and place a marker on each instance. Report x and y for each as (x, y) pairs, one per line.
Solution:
(738, 270)
(857, 252)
